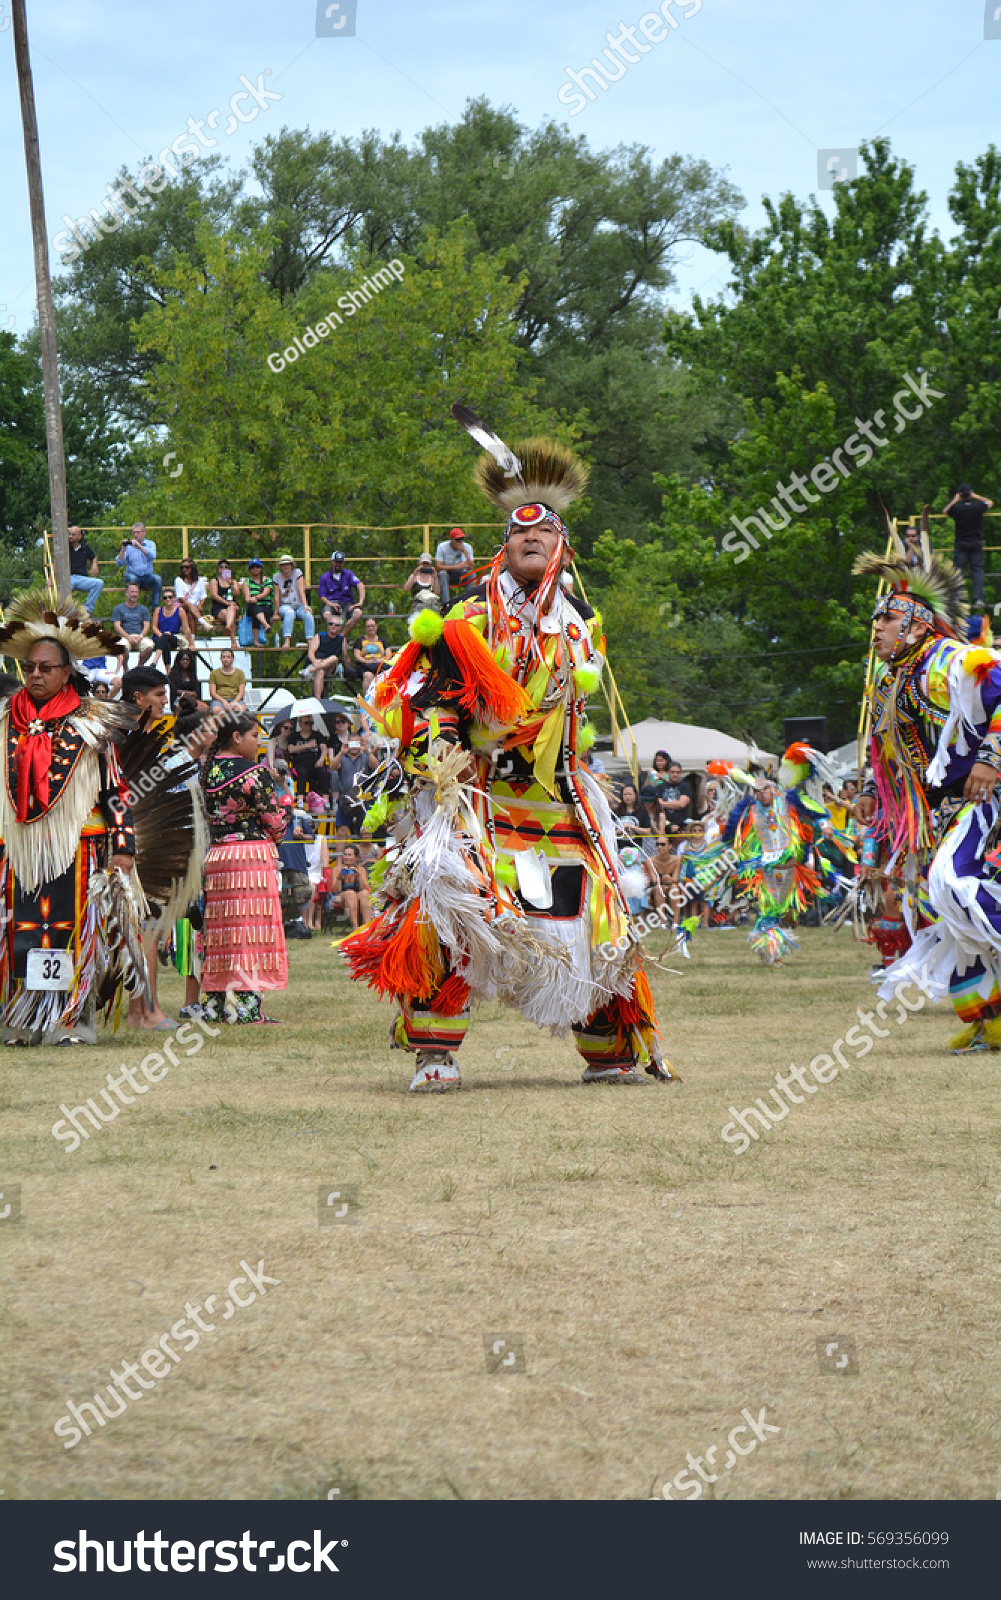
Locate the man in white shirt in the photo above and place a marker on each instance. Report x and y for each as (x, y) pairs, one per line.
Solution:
(454, 562)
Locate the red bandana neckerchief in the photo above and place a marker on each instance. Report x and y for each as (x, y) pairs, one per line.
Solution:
(34, 747)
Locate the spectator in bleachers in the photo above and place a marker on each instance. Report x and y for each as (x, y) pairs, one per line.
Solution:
(912, 546)
(370, 653)
(455, 561)
(290, 599)
(424, 586)
(676, 800)
(967, 512)
(351, 763)
(339, 586)
(137, 555)
(657, 779)
(258, 598)
(631, 812)
(227, 683)
(131, 622)
(328, 651)
(191, 593)
(222, 599)
(278, 743)
(183, 679)
(349, 885)
(318, 857)
(343, 731)
(167, 626)
(307, 752)
(83, 569)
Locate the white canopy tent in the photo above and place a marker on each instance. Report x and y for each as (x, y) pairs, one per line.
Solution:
(693, 747)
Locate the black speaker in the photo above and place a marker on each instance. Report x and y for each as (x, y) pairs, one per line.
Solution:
(809, 730)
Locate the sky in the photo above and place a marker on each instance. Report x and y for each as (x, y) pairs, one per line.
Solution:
(754, 88)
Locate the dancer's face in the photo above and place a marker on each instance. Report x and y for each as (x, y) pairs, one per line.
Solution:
(44, 673)
(886, 632)
(530, 550)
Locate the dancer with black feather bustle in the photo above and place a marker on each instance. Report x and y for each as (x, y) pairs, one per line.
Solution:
(931, 806)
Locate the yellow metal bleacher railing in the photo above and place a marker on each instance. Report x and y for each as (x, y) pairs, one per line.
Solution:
(256, 533)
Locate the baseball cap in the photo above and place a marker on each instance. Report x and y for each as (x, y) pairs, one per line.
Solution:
(456, 532)
(286, 557)
(255, 561)
(337, 555)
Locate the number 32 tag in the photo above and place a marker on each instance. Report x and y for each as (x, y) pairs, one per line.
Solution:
(49, 969)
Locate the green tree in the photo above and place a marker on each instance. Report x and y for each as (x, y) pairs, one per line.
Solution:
(356, 430)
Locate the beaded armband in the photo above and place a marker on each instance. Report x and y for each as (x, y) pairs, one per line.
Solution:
(989, 755)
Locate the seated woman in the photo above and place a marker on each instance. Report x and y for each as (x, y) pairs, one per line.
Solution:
(665, 866)
(191, 595)
(168, 624)
(349, 885)
(258, 599)
(370, 653)
(222, 599)
(183, 679)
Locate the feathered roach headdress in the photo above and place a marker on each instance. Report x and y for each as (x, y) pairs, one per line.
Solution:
(931, 591)
(532, 483)
(30, 617)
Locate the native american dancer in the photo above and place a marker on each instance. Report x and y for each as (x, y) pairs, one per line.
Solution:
(935, 751)
(244, 950)
(502, 882)
(71, 832)
(771, 832)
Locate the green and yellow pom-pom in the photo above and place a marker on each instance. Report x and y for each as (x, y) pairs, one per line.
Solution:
(586, 738)
(376, 814)
(504, 872)
(427, 627)
(588, 677)
(502, 656)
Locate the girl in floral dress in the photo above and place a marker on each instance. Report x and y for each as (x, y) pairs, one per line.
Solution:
(244, 941)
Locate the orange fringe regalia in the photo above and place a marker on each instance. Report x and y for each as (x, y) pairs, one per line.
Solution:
(501, 880)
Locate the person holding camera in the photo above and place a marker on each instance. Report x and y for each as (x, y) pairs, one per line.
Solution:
(137, 554)
(353, 760)
(967, 512)
(424, 586)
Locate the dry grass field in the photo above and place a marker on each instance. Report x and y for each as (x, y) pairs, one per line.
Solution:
(660, 1283)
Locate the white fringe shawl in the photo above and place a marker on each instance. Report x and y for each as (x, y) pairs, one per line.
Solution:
(44, 849)
(543, 967)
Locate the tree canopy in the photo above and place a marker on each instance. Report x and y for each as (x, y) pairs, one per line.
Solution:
(535, 281)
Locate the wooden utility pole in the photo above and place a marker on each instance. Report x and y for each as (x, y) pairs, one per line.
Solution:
(46, 313)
